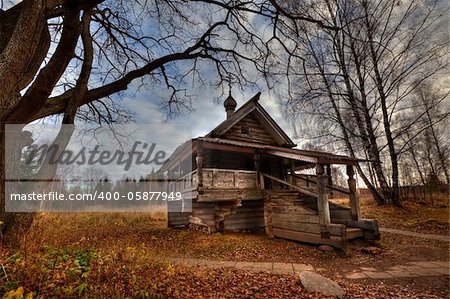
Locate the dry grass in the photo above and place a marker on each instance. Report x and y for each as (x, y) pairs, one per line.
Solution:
(420, 217)
(121, 255)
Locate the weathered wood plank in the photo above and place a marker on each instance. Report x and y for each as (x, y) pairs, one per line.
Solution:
(245, 180)
(213, 195)
(293, 210)
(314, 228)
(296, 226)
(223, 179)
(256, 131)
(295, 218)
(309, 238)
(340, 214)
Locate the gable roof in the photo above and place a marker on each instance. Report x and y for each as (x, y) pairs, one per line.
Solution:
(252, 105)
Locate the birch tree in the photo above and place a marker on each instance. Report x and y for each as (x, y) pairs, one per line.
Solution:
(362, 79)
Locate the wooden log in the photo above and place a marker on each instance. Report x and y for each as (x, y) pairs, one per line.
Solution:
(335, 241)
(314, 228)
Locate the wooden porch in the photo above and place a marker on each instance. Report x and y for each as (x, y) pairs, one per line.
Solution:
(295, 207)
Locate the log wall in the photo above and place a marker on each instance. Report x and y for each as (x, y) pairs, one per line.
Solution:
(248, 217)
(176, 218)
(250, 129)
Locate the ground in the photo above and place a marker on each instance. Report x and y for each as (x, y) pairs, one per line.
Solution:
(133, 256)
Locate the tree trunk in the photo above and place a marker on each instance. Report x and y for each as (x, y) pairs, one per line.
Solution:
(376, 195)
(365, 127)
(395, 189)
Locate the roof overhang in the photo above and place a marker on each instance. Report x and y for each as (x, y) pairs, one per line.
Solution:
(314, 157)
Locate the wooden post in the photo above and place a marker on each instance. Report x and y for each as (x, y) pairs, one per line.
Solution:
(268, 215)
(199, 161)
(354, 197)
(293, 180)
(329, 177)
(257, 162)
(322, 197)
(330, 180)
(283, 172)
(261, 179)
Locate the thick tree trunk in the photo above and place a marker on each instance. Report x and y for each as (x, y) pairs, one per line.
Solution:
(14, 225)
(22, 51)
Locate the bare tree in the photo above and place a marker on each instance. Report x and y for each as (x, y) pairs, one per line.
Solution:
(361, 78)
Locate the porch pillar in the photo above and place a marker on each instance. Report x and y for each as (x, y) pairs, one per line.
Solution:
(329, 180)
(199, 162)
(354, 196)
(322, 197)
(257, 162)
(293, 180)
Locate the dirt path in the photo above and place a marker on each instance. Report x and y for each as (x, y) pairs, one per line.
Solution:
(414, 234)
(413, 269)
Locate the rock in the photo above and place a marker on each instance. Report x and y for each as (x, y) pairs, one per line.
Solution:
(314, 282)
(372, 250)
(327, 248)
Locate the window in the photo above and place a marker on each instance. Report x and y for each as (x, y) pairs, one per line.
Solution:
(245, 130)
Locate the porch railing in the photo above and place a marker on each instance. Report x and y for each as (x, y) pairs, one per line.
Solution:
(218, 179)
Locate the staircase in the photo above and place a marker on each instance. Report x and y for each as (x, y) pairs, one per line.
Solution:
(293, 215)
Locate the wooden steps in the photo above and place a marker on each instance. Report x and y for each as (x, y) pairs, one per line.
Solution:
(291, 215)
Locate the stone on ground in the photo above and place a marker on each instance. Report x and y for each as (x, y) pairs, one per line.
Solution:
(372, 250)
(314, 282)
(326, 248)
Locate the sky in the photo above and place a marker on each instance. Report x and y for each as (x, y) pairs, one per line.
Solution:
(206, 114)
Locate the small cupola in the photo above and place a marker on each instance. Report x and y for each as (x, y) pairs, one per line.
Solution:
(230, 105)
